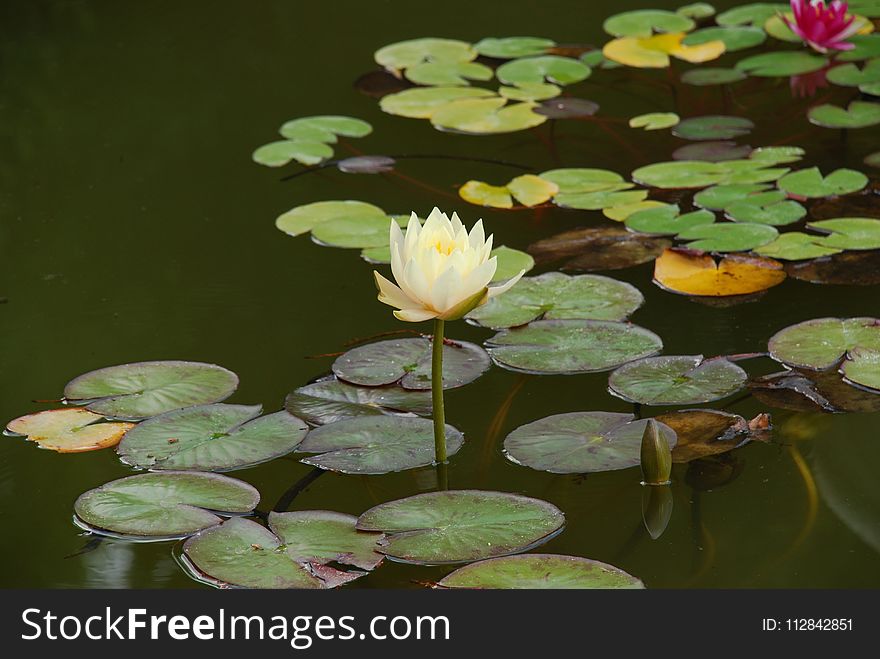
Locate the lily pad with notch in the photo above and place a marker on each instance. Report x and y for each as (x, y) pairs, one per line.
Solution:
(584, 179)
(404, 54)
(796, 246)
(486, 116)
(302, 219)
(666, 220)
(703, 432)
(460, 526)
(447, 74)
(571, 346)
(598, 248)
(728, 236)
(555, 295)
(858, 114)
(849, 232)
(676, 380)
(781, 64)
(144, 389)
(68, 430)
(580, 442)
(812, 391)
(821, 343)
(216, 437)
(544, 68)
(862, 368)
(423, 102)
(163, 506)
(809, 183)
(755, 13)
(707, 76)
(644, 22)
(713, 127)
(539, 571)
(735, 38)
(513, 47)
(408, 362)
(281, 152)
(654, 120)
(325, 128)
(719, 197)
(695, 273)
(331, 400)
(566, 107)
(296, 551)
(771, 208)
(375, 444)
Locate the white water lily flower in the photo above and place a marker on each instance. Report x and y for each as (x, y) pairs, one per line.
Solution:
(442, 271)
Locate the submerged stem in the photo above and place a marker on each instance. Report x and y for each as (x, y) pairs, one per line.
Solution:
(437, 394)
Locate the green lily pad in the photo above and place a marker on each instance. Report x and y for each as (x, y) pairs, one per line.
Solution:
(485, 116)
(408, 361)
(554, 295)
(643, 22)
(513, 47)
(706, 76)
(781, 64)
(858, 114)
(448, 74)
(796, 246)
(376, 444)
(666, 221)
(295, 553)
(729, 236)
(766, 208)
(719, 197)
(305, 152)
(714, 127)
(594, 201)
(580, 442)
(809, 183)
(539, 571)
(676, 380)
(422, 102)
(654, 120)
(755, 13)
(866, 46)
(217, 437)
(352, 232)
(696, 10)
(873, 159)
(510, 262)
(405, 54)
(775, 155)
(164, 506)
(530, 92)
(734, 37)
(574, 179)
(545, 68)
(460, 526)
(331, 400)
(862, 367)
(325, 128)
(571, 346)
(679, 174)
(849, 232)
(850, 75)
(144, 389)
(778, 29)
(821, 343)
(867, 8)
(712, 151)
(303, 219)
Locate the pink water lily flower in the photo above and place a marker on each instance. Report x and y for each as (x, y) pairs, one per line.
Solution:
(823, 27)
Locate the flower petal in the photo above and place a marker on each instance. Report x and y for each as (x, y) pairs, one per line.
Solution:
(391, 294)
(495, 291)
(414, 315)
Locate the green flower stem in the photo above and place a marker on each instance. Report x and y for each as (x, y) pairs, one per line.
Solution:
(437, 394)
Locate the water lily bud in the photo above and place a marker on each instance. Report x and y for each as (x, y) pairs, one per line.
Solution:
(441, 270)
(656, 510)
(656, 456)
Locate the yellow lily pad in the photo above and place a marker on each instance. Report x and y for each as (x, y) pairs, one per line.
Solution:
(620, 213)
(69, 430)
(483, 194)
(696, 273)
(531, 190)
(654, 52)
(654, 120)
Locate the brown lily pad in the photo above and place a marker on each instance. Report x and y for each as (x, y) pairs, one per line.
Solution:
(597, 248)
(852, 205)
(380, 83)
(713, 472)
(703, 432)
(848, 268)
(816, 391)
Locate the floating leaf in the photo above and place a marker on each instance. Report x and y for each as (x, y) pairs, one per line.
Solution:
(278, 154)
(713, 127)
(162, 506)
(850, 75)
(423, 102)
(510, 262)
(719, 197)
(554, 295)
(531, 190)
(598, 248)
(567, 108)
(484, 194)
(352, 232)
(513, 47)
(458, 526)
(375, 444)
(728, 237)
(654, 52)
(620, 213)
(144, 389)
(580, 442)
(810, 183)
(682, 271)
(408, 361)
(665, 220)
(696, 10)
(823, 391)
(700, 433)
(366, 164)
(679, 174)
(448, 74)
(849, 232)
(766, 208)
(858, 114)
(643, 22)
(571, 346)
(821, 343)
(296, 553)
(866, 45)
(68, 430)
(795, 246)
(755, 13)
(405, 54)
(574, 180)
(654, 120)
(546, 68)
(712, 151)
(848, 268)
(676, 380)
(303, 219)
(734, 37)
(483, 116)
(325, 128)
(775, 155)
(330, 400)
(778, 29)
(702, 76)
(862, 367)
(217, 437)
(873, 159)
(595, 201)
(539, 571)
(781, 64)
(531, 92)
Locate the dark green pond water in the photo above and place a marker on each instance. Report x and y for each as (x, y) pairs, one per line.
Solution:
(135, 227)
